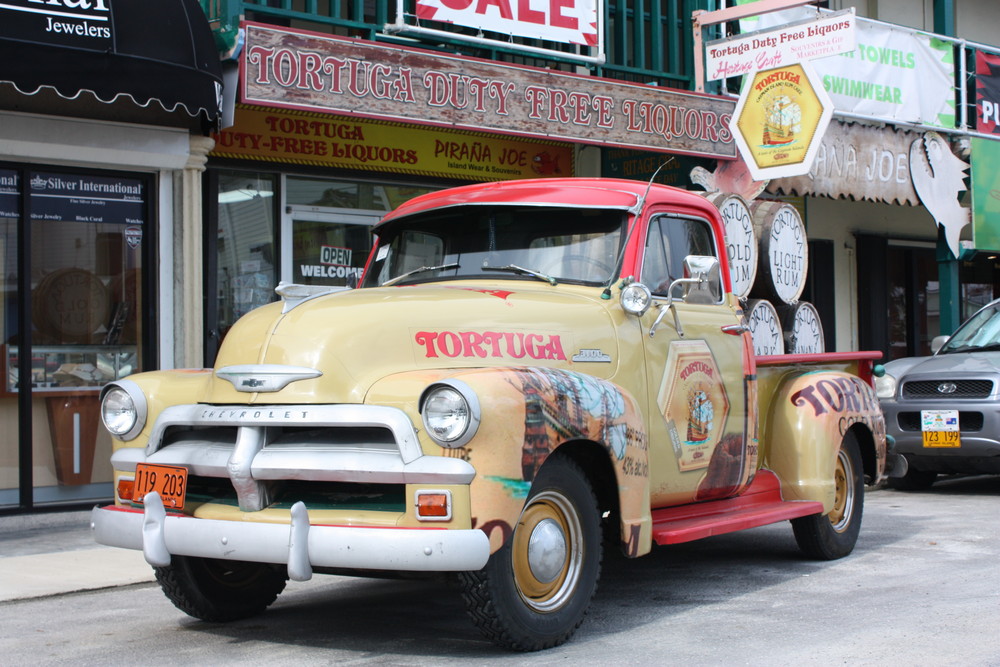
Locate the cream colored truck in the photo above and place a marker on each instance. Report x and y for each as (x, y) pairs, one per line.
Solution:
(529, 373)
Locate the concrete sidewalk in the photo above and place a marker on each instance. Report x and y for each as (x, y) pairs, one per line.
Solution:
(55, 553)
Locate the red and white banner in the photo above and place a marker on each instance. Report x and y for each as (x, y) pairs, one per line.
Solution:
(566, 21)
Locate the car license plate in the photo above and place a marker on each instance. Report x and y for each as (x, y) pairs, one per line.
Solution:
(940, 428)
(169, 481)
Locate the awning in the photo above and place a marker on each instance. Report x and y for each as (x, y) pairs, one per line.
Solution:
(158, 55)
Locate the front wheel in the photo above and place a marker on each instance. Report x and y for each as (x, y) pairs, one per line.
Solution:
(535, 590)
(833, 535)
(220, 590)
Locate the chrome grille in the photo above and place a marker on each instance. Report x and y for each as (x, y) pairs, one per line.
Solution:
(943, 389)
(967, 421)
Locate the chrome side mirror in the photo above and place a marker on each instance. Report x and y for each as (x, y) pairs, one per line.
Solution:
(702, 283)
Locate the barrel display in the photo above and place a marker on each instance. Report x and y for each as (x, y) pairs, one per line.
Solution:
(765, 328)
(803, 329)
(741, 240)
(784, 253)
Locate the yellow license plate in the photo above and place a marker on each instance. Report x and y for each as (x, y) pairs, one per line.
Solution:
(942, 439)
(169, 481)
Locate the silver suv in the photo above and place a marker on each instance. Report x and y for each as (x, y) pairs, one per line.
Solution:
(944, 410)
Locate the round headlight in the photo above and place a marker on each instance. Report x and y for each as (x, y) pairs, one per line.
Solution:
(635, 299)
(885, 386)
(450, 412)
(123, 409)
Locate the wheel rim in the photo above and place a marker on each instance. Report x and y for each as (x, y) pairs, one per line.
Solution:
(547, 553)
(843, 503)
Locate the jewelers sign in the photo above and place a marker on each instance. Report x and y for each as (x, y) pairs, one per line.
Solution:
(314, 72)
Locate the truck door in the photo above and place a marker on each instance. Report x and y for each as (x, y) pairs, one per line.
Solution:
(701, 391)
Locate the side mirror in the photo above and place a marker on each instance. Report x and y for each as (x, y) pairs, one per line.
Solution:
(706, 271)
(938, 342)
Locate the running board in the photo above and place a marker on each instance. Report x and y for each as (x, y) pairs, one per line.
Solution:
(759, 505)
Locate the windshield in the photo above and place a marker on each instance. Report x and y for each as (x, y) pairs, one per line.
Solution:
(500, 242)
(980, 333)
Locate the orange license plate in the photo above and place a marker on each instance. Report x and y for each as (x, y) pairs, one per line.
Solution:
(942, 439)
(169, 481)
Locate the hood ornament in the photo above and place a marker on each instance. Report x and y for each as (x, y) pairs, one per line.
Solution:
(265, 378)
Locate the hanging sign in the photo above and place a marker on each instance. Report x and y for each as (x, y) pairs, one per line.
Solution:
(81, 24)
(987, 93)
(322, 73)
(780, 120)
(565, 21)
(829, 35)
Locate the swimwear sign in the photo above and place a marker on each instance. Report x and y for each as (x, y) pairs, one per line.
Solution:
(323, 73)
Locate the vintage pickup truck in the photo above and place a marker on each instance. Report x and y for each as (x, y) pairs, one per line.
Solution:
(528, 374)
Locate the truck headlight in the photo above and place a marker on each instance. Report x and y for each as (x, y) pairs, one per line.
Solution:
(885, 386)
(123, 409)
(450, 412)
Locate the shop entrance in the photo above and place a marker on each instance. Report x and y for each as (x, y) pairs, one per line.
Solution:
(327, 248)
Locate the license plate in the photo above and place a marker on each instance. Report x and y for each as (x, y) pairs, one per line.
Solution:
(169, 481)
(940, 428)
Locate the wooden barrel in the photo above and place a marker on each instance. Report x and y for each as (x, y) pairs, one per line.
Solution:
(784, 253)
(803, 329)
(741, 240)
(765, 328)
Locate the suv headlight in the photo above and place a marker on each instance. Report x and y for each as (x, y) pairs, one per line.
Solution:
(450, 412)
(123, 409)
(885, 386)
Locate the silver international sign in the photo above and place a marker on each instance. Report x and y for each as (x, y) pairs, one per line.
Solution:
(303, 70)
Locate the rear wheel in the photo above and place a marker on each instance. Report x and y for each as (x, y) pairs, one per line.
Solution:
(833, 535)
(535, 590)
(913, 480)
(220, 590)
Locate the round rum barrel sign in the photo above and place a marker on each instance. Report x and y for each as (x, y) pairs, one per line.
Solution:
(765, 328)
(741, 240)
(803, 329)
(784, 253)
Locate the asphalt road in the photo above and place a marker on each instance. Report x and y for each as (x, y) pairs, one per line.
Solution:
(921, 588)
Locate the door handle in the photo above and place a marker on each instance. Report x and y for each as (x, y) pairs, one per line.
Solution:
(735, 329)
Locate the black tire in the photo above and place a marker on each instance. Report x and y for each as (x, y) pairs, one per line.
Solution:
(833, 535)
(530, 602)
(220, 590)
(913, 480)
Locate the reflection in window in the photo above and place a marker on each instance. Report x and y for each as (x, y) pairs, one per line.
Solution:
(246, 252)
(669, 241)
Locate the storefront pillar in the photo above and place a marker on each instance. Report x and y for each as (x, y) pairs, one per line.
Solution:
(949, 296)
(188, 278)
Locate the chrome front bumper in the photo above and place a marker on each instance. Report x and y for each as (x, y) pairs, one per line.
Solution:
(298, 544)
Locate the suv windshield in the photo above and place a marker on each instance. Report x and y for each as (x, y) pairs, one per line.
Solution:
(500, 242)
(979, 334)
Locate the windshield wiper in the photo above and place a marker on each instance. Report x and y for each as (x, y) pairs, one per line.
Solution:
(422, 269)
(514, 268)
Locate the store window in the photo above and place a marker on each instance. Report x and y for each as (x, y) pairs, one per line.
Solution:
(81, 325)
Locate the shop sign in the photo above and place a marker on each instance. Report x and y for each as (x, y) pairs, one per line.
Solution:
(642, 166)
(10, 194)
(322, 73)
(780, 120)
(858, 162)
(986, 194)
(60, 197)
(829, 35)
(563, 21)
(299, 137)
(81, 24)
(987, 93)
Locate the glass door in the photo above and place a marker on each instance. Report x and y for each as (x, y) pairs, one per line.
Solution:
(327, 247)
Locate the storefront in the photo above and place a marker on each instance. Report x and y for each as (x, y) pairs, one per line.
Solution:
(332, 133)
(101, 124)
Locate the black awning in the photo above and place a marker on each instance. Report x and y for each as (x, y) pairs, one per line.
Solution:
(149, 52)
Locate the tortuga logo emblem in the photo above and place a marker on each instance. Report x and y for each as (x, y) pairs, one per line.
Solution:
(492, 344)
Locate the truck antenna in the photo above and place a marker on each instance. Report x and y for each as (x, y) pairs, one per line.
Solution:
(635, 210)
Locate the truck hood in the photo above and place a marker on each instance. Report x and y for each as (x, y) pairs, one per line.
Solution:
(353, 338)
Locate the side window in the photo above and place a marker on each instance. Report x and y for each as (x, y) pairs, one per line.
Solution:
(669, 241)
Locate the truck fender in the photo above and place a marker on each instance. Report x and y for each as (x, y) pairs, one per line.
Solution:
(808, 417)
(527, 414)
